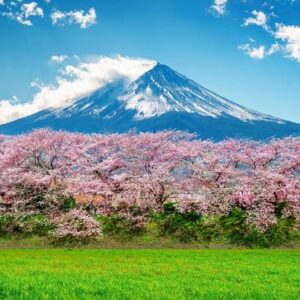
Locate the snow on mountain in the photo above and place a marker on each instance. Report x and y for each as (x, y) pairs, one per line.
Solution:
(159, 99)
(163, 90)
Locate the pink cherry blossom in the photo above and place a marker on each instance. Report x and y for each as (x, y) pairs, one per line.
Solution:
(147, 170)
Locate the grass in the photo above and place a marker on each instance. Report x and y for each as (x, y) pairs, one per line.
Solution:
(149, 274)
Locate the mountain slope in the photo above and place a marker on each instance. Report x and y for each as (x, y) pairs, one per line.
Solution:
(163, 90)
(160, 99)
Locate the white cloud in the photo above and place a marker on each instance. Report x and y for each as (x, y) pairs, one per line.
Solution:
(259, 18)
(286, 40)
(58, 58)
(57, 16)
(274, 49)
(219, 6)
(10, 111)
(23, 12)
(76, 82)
(31, 9)
(261, 51)
(254, 52)
(84, 19)
(290, 36)
(26, 11)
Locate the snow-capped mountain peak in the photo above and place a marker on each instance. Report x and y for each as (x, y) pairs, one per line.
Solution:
(162, 90)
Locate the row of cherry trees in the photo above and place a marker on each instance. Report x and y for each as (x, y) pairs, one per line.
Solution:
(146, 171)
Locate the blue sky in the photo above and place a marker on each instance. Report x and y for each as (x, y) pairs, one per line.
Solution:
(247, 51)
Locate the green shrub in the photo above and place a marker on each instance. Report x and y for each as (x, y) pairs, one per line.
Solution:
(67, 203)
(32, 225)
(119, 227)
(180, 226)
(7, 224)
(80, 227)
(282, 233)
(211, 230)
(38, 225)
(238, 231)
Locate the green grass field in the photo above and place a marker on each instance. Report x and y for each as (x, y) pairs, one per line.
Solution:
(149, 274)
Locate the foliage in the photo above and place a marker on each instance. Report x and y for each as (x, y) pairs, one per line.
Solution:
(233, 228)
(182, 226)
(250, 185)
(238, 231)
(67, 203)
(119, 227)
(25, 225)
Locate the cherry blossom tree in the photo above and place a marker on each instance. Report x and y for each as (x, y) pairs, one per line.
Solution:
(143, 172)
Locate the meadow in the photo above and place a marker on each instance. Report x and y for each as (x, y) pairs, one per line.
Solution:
(149, 274)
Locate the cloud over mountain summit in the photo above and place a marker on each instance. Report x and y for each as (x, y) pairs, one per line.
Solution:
(75, 82)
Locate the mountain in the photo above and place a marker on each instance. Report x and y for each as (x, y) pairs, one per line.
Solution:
(160, 99)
